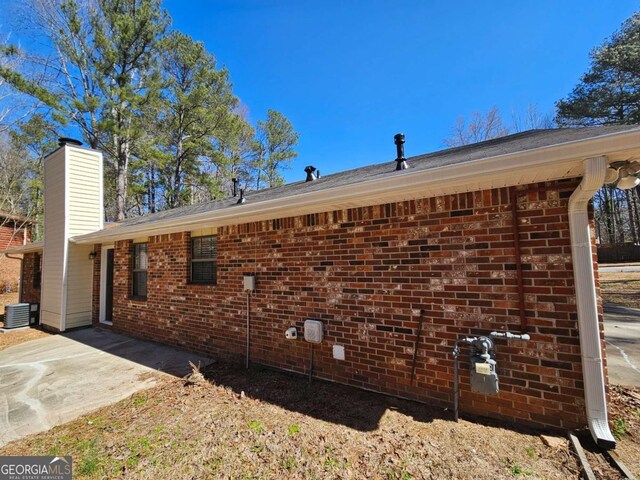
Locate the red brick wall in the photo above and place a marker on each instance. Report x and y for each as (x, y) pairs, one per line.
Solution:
(10, 236)
(367, 273)
(30, 293)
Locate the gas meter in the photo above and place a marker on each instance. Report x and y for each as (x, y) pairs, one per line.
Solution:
(482, 364)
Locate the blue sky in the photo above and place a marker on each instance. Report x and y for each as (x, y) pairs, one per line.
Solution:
(351, 74)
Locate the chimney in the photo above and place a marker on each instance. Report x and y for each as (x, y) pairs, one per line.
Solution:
(241, 200)
(62, 141)
(72, 206)
(235, 186)
(401, 162)
(311, 176)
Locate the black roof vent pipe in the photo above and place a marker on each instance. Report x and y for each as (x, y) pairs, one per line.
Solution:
(311, 176)
(241, 200)
(401, 162)
(235, 186)
(62, 141)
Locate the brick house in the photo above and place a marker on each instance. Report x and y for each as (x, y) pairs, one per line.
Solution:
(488, 237)
(14, 232)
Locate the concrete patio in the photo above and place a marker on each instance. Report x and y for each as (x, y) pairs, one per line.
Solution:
(50, 381)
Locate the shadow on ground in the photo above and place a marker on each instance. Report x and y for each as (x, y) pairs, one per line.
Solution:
(160, 357)
(621, 313)
(330, 402)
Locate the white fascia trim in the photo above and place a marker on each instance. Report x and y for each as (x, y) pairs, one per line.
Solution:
(586, 301)
(65, 256)
(540, 164)
(101, 177)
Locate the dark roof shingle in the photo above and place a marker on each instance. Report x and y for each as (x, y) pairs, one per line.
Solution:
(510, 144)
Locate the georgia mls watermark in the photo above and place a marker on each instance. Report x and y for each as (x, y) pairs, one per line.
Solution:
(35, 468)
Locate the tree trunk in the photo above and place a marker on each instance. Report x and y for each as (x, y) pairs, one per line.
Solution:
(122, 167)
(607, 215)
(177, 174)
(618, 217)
(632, 223)
(151, 188)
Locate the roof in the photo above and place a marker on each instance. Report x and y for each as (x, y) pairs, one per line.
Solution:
(28, 248)
(515, 148)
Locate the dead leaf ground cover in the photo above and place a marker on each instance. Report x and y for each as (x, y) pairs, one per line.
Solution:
(624, 408)
(622, 288)
(265, 424)
(9, 339)
(7, 299)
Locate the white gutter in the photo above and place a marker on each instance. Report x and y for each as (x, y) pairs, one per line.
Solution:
(589, 331)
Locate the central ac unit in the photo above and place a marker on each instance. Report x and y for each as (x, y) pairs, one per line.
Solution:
(16, 315)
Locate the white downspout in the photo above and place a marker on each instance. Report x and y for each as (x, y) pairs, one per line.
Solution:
(584, 280)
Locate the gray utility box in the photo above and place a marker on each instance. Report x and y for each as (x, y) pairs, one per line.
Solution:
(313, 332)
(16, 315)
(34, 314)
(484, 378)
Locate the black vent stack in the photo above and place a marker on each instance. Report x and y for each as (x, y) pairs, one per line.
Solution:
(401, 162)
(241, 200)
(312, 173)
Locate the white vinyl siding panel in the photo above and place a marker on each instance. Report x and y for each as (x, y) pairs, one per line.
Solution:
(84, 205)
(53, 261)
(79, 286)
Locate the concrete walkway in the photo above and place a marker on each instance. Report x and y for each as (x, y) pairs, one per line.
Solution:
(50, 381)
(622, 334)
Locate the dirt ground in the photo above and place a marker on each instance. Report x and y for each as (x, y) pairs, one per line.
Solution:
(266, 424)
(7, 299)
(8, 339)
(622, 288)
(624, 409)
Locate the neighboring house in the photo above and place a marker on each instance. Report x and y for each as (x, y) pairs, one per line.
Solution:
(491, 236)
(14, 231)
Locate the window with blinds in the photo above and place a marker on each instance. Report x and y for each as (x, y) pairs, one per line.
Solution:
(140, 264)
(204, 260)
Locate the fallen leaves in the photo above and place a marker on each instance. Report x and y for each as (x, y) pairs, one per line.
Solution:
(225, 422)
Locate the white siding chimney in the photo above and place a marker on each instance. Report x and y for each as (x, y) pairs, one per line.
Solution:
(72, 206)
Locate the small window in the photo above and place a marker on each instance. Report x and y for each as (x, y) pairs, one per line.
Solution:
(204, 260)
(37, 270)
(140, 263)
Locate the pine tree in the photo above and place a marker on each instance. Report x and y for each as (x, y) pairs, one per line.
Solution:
(275, 146)
(609, 93)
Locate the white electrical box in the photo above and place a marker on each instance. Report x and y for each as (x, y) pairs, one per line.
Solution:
(313, 331)
(249, 283)
(338, 352)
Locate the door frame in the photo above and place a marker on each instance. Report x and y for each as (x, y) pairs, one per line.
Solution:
(103, 284)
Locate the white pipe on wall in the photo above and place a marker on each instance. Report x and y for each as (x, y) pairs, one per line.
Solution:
(584, 280)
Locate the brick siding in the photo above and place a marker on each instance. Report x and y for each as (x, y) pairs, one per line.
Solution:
(10, 236)
(30, 293)
(367, 273)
